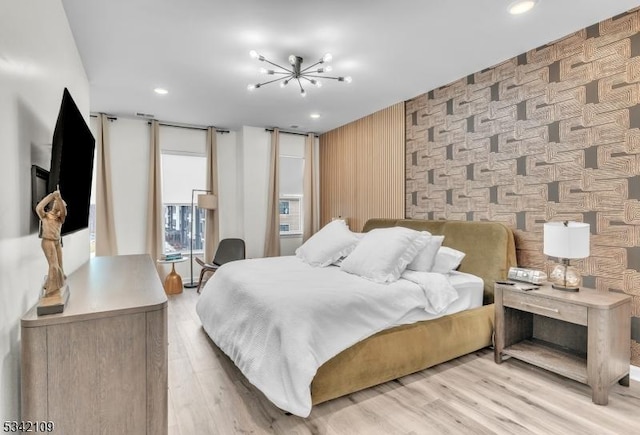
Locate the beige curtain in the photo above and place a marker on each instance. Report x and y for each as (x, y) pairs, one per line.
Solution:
(155, 215)
(105, 222)
(212, 223)
(310, 189)
(272, 236)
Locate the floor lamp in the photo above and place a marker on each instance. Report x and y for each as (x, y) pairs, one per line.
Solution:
(207, 201)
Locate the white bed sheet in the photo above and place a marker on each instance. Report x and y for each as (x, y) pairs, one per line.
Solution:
(279, 319)
(470, 290)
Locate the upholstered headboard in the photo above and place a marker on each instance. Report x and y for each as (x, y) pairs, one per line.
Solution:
(489, 246)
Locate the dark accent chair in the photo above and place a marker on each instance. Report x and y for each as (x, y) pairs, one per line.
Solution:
(228, 250)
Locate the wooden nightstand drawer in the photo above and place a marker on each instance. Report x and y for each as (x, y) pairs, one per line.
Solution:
(555, 309)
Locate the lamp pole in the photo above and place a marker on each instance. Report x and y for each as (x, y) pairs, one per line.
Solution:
(192, 284)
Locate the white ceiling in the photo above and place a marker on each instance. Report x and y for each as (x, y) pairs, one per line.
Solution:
(394, 50)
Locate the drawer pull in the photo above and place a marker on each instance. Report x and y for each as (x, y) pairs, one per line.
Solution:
(553, 310)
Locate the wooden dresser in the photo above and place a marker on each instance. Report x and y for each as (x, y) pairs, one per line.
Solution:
(101, 365)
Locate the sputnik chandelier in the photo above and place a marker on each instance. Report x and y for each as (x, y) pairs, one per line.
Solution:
(310, 74)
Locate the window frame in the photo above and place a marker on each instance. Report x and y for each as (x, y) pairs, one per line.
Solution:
(300, 220)
(191, 210)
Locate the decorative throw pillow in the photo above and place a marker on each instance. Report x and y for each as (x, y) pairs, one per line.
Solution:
(447, 260)
(331, 243)
(427, 255)
(384, 253)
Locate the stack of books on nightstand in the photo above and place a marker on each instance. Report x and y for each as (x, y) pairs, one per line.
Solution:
(171, 256)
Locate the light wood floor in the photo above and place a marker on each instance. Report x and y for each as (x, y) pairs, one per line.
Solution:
(470, 395)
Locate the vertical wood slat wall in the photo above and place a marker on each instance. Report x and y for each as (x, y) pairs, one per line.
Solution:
(362, 168)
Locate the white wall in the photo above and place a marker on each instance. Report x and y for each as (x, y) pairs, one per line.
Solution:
(129, 143)
(256, 146)
(229, 201)
(38, 59)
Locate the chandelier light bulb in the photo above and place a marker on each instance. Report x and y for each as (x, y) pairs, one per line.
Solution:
(251, 87)
(328, 68)
(263, 70)
(254, 54)
(303, 93)
(318, 83)
(292, 59)
(327, 57)
(348, 79)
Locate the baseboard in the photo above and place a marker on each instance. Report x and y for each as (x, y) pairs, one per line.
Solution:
(634, 373)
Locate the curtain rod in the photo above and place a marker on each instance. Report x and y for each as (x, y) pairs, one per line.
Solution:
(110, 118)
(190, 127)
(168, 124)
(292, 132)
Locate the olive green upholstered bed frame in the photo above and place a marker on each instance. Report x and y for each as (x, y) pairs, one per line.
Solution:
(399, 351)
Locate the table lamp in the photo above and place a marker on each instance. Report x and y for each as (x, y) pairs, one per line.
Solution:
(566, 241)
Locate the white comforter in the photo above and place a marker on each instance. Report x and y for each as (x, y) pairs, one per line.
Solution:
(279, 319)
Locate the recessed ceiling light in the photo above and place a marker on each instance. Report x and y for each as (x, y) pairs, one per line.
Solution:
(160, 91)
(314, 115)
(521, 6)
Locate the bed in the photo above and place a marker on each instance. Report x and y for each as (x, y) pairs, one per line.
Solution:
(302, 345)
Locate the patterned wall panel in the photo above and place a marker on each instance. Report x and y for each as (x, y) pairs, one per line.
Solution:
(552, 134)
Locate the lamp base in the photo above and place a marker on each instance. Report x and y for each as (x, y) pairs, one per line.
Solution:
(565, 277)
(190, 285)
(566, 289)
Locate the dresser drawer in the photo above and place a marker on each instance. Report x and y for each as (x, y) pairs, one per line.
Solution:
(546, 307)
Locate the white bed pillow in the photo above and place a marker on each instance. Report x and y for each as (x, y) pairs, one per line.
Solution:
(447, 260)
(384, 253)
(331, 243)
(425, 259)
(338, 262)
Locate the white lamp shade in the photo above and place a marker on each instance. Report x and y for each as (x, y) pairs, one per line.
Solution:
(209, 202)
(566, 241)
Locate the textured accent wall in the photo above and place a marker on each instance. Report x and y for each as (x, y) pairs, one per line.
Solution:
(552, 134)
(362, 168)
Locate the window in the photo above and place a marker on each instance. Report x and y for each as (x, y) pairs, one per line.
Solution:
(284, 207)
(92, 228)
(177, 228)
(291, 189)
(291, 221)
(181, 173)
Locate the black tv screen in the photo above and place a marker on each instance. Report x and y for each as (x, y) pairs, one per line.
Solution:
(71, 169)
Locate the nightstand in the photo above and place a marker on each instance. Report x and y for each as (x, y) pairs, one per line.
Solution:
(584, 336)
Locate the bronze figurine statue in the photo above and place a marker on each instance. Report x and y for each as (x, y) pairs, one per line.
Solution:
(51, 221)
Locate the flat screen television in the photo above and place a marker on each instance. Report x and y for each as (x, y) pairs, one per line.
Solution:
(72, 152)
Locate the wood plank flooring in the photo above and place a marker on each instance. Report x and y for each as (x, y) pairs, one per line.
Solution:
(469, 395)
